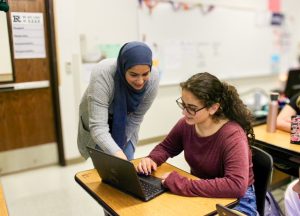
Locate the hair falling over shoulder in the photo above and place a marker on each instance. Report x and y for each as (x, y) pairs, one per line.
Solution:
(210, 90)
(236, 110)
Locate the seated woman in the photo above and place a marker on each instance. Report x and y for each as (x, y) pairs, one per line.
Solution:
(284, 117)
(214, 135)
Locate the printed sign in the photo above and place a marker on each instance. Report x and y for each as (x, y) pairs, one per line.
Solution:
(28, 35)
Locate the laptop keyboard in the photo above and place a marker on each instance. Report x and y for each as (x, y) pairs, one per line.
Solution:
(149, 189)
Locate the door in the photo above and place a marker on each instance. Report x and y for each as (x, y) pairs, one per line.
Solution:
(30, 129)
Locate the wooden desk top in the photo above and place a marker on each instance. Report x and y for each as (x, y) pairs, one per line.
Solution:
(3, 207)
(165, 204)
(279, 138)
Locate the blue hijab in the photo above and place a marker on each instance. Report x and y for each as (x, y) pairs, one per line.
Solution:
(126, 98)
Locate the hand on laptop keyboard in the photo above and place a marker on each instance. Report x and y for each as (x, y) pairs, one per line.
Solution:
(143, 174)
(146, 165)
(164, 176)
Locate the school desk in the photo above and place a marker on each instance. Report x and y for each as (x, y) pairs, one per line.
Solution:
(116, 202)
(3, 207)
(286, 156)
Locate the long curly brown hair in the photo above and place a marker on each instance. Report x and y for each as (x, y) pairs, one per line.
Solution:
(210, 90)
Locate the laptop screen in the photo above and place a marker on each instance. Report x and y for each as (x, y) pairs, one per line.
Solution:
(292, 86)
(121, 174)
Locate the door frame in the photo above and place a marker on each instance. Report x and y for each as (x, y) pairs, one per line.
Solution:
(54, 83)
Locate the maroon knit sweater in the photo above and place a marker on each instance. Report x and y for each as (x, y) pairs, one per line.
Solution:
(222, 161)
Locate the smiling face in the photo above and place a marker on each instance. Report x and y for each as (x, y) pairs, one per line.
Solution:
(137, 76)
(191, 102)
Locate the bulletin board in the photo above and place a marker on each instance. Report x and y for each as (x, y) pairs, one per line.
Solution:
(227, 42)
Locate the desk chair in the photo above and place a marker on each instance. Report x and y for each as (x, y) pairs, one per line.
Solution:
(262, 168)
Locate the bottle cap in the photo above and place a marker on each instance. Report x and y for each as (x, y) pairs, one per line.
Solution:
(274, 96)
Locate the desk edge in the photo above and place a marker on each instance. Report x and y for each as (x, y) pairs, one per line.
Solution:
(95, 196)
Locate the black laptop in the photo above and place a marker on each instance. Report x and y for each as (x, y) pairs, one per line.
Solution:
(292, 85)
(121, 174)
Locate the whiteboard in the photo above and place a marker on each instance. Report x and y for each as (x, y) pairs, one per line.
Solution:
(229, 43)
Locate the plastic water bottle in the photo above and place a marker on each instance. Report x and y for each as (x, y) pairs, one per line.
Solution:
(272, 114)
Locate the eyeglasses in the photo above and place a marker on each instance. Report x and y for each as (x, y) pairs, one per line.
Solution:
(190, 110)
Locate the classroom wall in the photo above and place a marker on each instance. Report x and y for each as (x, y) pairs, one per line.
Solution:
(115, 21)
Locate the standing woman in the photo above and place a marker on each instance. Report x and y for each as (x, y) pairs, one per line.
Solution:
(113, 106)
(214, 136)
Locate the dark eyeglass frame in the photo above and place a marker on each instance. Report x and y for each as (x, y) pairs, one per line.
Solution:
(190, 110)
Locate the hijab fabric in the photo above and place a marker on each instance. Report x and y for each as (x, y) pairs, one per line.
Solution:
(126, 98)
